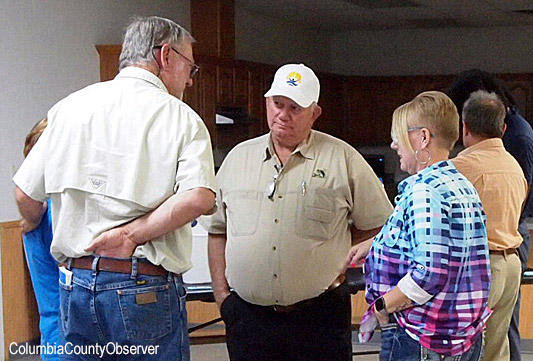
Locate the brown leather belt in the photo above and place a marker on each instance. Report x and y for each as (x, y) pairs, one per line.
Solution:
(118, 266)
(502, 252)
(299, 305)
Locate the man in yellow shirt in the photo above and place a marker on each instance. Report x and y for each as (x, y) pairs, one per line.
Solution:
(501, 185)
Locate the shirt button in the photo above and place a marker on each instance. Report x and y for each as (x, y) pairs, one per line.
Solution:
(276, 220)
(275, 275)
(280, 196)
(274, 248)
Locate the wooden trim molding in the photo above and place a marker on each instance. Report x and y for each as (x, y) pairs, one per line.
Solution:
(21, 315)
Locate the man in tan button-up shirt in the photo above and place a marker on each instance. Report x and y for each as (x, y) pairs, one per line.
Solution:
(286, 204)
(501, 185)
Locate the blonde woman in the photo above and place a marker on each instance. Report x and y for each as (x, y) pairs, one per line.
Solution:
(427, 271)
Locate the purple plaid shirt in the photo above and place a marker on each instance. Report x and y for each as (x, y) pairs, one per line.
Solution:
(434, 247)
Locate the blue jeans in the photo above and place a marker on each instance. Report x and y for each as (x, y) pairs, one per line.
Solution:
(397, 345)
(118, 316)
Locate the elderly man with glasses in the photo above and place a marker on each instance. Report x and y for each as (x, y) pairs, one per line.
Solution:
(287, 203)
(114, 152)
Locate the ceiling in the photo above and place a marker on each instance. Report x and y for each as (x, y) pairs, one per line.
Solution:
(346, 15)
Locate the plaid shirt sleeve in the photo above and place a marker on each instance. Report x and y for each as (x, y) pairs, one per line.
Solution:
(428, 231)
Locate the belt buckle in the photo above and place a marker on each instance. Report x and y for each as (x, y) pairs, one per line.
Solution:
(337, 282)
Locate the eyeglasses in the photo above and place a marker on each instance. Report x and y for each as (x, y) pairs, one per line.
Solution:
(194, 68)
(412, 129)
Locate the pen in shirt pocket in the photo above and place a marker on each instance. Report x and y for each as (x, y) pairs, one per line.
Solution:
(304, 185)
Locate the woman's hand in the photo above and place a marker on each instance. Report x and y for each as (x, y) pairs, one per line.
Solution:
(357, 254)
(382, 318)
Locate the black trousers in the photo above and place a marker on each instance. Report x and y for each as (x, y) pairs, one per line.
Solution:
(318, 329)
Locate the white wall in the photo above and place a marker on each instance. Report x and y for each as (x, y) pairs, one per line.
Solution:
(266, 40)
(433, 51)
(48, 52)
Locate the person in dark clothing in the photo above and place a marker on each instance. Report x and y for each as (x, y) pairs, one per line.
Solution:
(518, 140)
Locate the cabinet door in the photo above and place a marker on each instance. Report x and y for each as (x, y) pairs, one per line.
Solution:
(224, 84)
(332, 103)
(240, 86)
(371, 101)
(256, 100)
(207, 88)
(192, 97)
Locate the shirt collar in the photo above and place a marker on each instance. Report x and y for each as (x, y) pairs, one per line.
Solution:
(142, 74)
(304, 148)
(490, 143)
(443, 165)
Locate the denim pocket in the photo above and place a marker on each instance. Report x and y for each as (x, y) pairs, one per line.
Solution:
(149, 319)
(64, 305)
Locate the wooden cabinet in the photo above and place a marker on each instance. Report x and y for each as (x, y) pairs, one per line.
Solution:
(355, 109)
(225, 90)
(370, 102)
(20, 313)
(207, 80)
(333, 104)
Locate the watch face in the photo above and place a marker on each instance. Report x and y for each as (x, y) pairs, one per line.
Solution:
(380, 304)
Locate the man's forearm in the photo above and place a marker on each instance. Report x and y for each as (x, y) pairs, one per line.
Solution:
(31, 210)
(172, 214)
(217, 265)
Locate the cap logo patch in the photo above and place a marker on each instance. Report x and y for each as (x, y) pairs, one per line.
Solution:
(294, 78)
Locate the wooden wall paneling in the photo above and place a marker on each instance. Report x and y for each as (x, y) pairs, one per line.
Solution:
(268, 77)
(368, 111)
(526, 312)
(213, 26)
(240, 85)
(109, 55)
(371, 102)
(332, 102)
(256, 100)
(208, 94)
(21, 315)
(224, 84)
(191, 96)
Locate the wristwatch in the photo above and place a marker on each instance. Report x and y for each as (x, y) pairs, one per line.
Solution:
(380, 306)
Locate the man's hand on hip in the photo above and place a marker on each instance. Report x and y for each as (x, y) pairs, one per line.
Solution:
(113, 243)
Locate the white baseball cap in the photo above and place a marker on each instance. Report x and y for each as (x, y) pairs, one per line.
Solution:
(296, 82)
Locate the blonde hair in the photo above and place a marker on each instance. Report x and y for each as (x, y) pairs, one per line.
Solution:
(433, 110)
(33, 135)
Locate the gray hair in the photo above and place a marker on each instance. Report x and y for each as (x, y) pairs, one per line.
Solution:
(484, 113)
(145, 33)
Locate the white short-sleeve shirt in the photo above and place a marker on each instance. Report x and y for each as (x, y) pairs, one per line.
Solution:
(112, 152)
